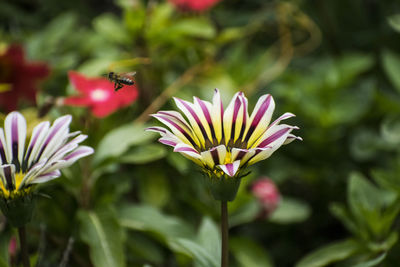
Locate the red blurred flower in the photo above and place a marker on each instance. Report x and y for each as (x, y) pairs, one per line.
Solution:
(98, 94)
(194, 5)
(267, 194)
(21, 76)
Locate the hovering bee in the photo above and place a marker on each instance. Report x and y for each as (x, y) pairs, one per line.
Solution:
(120, 80)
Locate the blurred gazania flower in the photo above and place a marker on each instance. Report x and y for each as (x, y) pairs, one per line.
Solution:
(224, 142)
(267, 194)
(18, 78)
(49, 150)
(194, 5)
(98, 94)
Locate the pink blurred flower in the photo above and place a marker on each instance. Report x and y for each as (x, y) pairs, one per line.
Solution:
(12, 247)
(194, 5)
(98, 94)
(267, 194)
(21, 76)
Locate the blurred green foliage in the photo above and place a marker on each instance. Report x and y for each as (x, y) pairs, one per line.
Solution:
(335, 64)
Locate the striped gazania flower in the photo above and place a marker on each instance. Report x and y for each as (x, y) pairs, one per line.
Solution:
(224, 142)
(24, 164)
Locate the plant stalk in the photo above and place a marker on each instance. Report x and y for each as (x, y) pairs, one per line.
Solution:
(23, 246)
(224, 234)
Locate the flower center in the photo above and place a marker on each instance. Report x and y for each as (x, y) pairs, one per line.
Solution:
(99, 95)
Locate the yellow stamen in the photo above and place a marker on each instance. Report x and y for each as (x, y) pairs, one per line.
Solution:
(18, 179)
(228, 157)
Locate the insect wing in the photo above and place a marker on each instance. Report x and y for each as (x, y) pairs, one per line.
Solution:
(129, 74)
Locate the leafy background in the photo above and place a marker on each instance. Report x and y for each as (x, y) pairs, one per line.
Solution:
(335, 64)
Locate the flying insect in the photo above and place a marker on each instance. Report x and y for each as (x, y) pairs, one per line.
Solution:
(120, 80)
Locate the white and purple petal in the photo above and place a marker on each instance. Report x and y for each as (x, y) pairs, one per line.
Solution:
(230, 120)
(46, 177)
(68, 147)
(214, 156)
(230, 169)
(217, 115)
(178, 127)
(7, 175)
(15, 134)
(271, 144)
(259, 119)
(291, 138)
(273, 134)
(167, 138)
(34, 171)
(196, 120)
(80, 152)
(55, 138)
(3, 148)
(285, 116)
(187, 150)
(242, 154)
(38, 134)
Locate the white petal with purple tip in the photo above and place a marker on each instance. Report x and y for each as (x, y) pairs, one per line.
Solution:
(230, 169)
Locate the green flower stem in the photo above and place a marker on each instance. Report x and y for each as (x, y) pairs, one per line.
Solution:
(224, 234)
(24, 248)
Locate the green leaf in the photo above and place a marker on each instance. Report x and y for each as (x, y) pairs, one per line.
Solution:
(117, 142)
(179, 162)
(365, 144)
(328, 254)
(372, 207)
(290, 211)
(103, 234)
(248, 253)
(349, 106)
(155, 188)
(164, 227)
(363, 195)
(95, 67)
(391, 65)
(209, 238)
(145, 154)
(394, 22)
(390, 130)
(231, 34)
(341, 213)
(373, 262)
(200, 254)
(351, 65)
(245, 213)
(388, 178)
(53, 36)
(4, 243)
(134, 18)
(148, 250)
(111, 28)
(198, 27)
